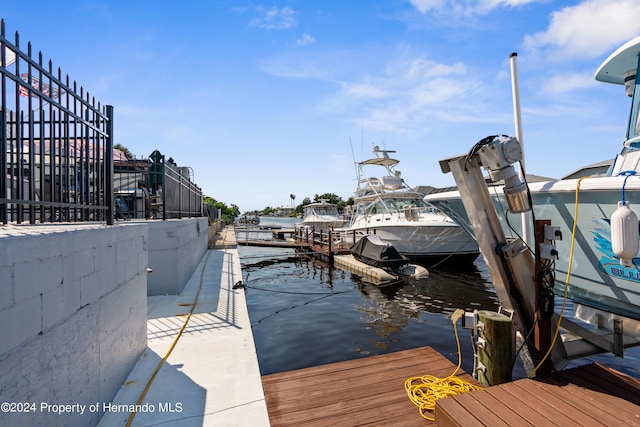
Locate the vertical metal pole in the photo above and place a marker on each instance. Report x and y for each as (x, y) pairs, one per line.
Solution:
(4, 217)
(42, 172)
(164, 190)
(515, 88)
(16, 156)
(180, 185)
(108, 162)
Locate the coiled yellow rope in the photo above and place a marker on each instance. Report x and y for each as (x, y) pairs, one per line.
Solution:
(425, 390)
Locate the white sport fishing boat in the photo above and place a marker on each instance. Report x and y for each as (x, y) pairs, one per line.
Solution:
(604, 281)
(397, 214)
(320, 215)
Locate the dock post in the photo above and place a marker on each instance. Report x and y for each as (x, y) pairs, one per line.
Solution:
(543, 304)
(495, 348)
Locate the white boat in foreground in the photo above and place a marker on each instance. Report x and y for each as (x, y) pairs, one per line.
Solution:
(387, 207)
(603, 287)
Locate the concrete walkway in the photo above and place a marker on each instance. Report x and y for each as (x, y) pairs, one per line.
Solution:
(211, 377)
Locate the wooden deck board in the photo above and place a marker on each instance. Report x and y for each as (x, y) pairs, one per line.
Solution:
(367, 391)
(589, 395)
(370, 391)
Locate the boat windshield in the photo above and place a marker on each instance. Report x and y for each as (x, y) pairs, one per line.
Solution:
(633, 131)
(394, 205)
(326, 210)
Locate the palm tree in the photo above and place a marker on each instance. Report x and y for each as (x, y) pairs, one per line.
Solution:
(293, 198)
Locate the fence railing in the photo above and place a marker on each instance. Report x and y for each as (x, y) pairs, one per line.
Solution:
(181, 197)
(56, 161)
(155, 188)
(57, 154)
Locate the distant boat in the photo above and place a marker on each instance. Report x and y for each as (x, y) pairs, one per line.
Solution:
(598, 277)
(249, 220)
(321, 215)
(389, 208)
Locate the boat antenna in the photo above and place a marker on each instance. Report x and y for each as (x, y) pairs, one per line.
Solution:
(354, 158)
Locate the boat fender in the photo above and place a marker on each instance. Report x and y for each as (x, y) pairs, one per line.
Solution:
(624, 233)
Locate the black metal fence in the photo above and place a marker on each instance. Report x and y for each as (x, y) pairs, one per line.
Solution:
(155, 188)
(56, 161)
(57, 157)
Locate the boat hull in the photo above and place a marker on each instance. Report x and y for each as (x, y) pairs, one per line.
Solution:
(425, 241)
(597, 278)
(323, 225)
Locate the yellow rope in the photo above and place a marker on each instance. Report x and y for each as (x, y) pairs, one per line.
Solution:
(566, 282)
(173, 344)
(425, 390)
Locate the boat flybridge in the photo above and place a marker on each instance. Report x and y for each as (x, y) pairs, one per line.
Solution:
(320, 215)
(386, 206)
(579, 242)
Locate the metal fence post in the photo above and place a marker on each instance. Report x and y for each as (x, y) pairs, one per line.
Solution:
(108, 163)
(164, 195)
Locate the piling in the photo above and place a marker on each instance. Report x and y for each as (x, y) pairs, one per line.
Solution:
(495, 353)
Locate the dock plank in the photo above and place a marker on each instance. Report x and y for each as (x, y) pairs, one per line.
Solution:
(370, 391)
(589, 395)
(366, 391)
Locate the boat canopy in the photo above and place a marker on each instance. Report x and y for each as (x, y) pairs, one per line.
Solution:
(619, 63)
(621, 68)
(380, 161)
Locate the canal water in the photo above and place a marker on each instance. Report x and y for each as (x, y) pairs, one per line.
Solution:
(306, 313)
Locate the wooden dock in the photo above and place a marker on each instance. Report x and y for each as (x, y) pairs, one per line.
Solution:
(314, 242)
(367, 391)
(590, 395)
(370, 391)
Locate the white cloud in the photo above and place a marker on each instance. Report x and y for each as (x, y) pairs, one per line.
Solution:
(566, 82)
(426, 6)
(274, 18)
(305, 40)
(408, 92)
(587, 30)
(363, 90)
(466, 7)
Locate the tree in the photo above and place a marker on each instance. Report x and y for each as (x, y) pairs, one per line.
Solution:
(293, 198)
(124, 150)
(227, 213)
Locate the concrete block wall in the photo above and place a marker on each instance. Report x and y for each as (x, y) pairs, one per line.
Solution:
(72, 317)
(176, 247)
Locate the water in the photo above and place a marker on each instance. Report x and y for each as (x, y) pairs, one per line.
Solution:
(305, 313)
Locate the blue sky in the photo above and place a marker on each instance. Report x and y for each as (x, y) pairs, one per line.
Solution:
(268, 99)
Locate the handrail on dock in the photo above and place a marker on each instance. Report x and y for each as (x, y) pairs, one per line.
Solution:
(321, 241)
(329, 242)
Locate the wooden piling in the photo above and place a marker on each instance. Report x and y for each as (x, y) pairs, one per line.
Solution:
(496, 353)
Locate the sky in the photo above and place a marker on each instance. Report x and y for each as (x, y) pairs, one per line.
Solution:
(268, 99)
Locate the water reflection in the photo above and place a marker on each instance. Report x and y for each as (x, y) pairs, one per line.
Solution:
(305, 313)
(388, 309)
